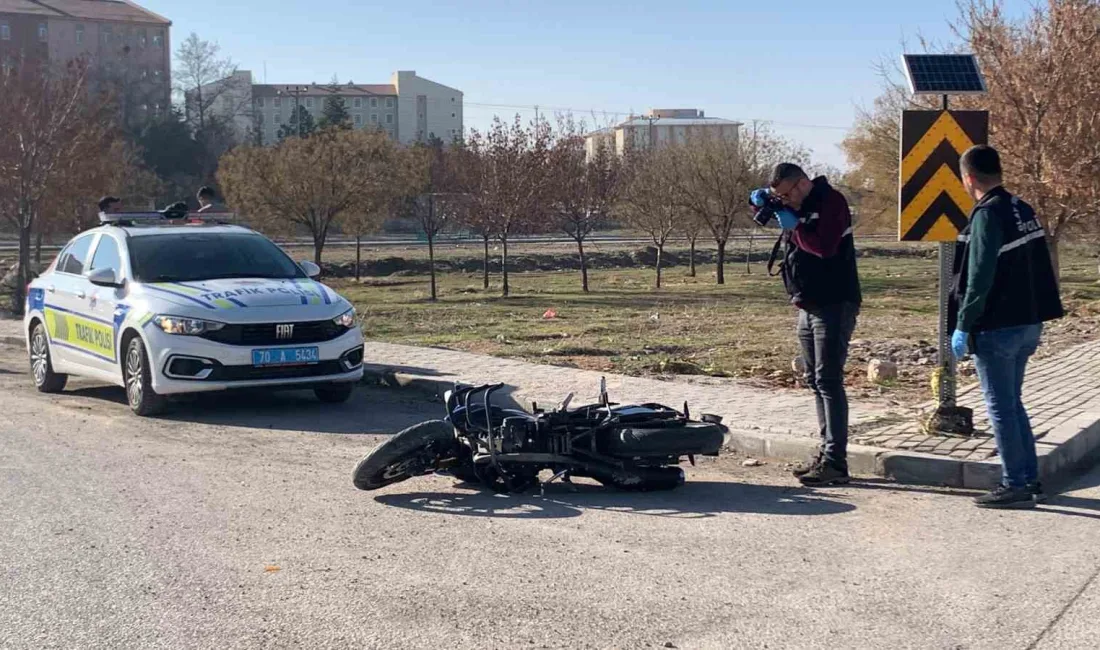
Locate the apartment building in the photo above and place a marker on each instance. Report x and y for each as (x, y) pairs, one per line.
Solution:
(126, 45)
(410, 108)
(659, 128)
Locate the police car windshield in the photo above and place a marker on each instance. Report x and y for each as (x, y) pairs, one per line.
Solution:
(194, 257)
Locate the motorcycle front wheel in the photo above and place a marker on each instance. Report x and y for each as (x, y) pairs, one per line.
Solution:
(412, 452)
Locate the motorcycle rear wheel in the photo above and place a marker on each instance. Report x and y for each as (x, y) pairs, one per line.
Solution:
(407, 454)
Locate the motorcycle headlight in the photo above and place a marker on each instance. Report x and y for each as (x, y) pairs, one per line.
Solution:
(186, 326)
(346, 319)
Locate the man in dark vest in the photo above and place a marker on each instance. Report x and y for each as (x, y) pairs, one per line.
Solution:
(819, 273)
(1005, 289)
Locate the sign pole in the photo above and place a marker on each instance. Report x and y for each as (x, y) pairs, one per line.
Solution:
(945, 392)
(945, 389)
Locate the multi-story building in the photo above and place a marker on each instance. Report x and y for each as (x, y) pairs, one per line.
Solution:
(659, 128)
(409, 108)
(126, 46)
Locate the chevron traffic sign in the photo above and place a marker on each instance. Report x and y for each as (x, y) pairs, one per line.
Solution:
(933, 204)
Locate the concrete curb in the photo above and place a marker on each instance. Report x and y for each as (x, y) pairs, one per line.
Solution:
(13, 340)
(1062, 451)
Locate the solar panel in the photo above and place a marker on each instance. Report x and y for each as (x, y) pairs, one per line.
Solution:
(943, 74)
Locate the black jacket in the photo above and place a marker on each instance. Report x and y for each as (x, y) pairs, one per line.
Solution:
(819, 260)
(1003, 274)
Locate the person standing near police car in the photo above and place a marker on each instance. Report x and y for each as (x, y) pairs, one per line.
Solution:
(1005, 288)
(820, 275)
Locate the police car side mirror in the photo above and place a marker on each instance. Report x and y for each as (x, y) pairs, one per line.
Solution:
(104, 278)
(310, 269)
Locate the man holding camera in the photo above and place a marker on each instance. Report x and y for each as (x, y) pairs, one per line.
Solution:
(1005, 288)
(819, 273)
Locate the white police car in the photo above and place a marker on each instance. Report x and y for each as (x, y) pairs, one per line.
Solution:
(163, 307)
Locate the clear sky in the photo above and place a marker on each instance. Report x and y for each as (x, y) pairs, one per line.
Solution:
(804, 64)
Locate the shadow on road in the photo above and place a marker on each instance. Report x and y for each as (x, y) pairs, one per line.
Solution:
(369, 411)
(696, 499)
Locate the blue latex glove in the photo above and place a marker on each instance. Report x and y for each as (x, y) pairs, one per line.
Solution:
(960, 343)
(787, 219)
(759, 197)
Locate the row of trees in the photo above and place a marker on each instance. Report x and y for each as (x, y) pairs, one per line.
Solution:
(1043, 75)
(512, 179)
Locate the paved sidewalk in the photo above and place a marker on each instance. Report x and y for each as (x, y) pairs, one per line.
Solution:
(782, 411)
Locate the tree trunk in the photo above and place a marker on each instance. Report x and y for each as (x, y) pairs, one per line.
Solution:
(660, 255)
(691, 257)
(38, 249)
(485, 265)
(748, 255)
(19, 295)
(1052, 244)
(721, 262)
(318, 247)
(584, 265)
(431, 263)
(358, 258)
(504, 265)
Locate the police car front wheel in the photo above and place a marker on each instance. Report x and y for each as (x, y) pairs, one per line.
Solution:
(137, 375)
(45, 379)
(334, 393)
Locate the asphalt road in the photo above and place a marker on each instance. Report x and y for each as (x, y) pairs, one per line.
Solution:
(233, 523)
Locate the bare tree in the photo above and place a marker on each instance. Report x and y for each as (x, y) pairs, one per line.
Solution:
(309, 183)
(47, 121)
(432, 192)
(647, 201)
(713, 175)
(513, 179)
(691, 226)
(1043, 75)
(582, 189)
(474, 208)
(202, 78)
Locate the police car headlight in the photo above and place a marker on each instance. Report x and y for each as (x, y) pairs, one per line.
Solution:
(346, 319)
(186, 326)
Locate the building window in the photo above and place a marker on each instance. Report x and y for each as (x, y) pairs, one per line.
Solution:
(309, 102)
(259, 102)
(156, 109)
(278, 118)
(278, 102)
(374, 118)
(260, 118)
(144, 108)
(143, 38)
(358, 102)
(374, 102)
(156, 74)
(389, 118)
(80, 34)
(358, 119)
(105, 35)
(42, 32)
(454, 116)
(389, 102)
(5, 32)
(158, 39)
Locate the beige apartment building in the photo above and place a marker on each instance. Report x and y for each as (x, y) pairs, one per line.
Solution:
(127, 46)
(410, 108)
(659, 128)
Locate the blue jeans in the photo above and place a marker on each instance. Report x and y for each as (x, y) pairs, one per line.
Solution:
(824, 334)
(1000, 357)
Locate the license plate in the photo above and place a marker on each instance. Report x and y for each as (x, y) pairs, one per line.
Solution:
(285, 356)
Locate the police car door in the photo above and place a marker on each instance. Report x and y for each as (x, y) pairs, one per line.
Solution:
(65, 302)
(103, 299)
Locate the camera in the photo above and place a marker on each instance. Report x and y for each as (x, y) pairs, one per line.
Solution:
(766, 204)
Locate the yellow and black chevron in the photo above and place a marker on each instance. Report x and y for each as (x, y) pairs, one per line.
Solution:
(933, 204)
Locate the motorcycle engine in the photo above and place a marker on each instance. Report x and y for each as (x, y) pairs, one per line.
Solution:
(515, 434)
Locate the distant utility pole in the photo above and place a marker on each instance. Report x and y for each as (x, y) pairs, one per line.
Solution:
(296, 92)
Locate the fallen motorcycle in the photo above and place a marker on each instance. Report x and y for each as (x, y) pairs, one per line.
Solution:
(631, 447)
